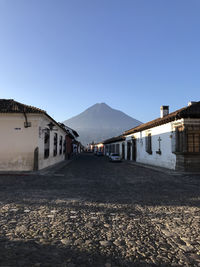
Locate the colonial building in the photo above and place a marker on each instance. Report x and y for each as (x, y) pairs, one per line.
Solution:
(29, 138)
(72, 145)
(171, 141)
(115, 145)
(98, 147)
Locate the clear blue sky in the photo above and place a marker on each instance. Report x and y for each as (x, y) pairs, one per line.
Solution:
(64, 56)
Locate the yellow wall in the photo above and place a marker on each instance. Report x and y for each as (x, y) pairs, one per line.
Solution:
(17, 143)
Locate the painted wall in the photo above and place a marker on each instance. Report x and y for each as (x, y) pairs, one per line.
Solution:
(112, 148)
(17, 143)
(45, 162)
(167, 158)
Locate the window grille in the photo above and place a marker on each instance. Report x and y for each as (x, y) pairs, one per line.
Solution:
(193, 142)
(55, 141)
(149, 143)
(64, 147)
(188, 139)
(60, 145)
(46, 143)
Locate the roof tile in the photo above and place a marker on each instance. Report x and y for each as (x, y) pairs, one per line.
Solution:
(12, 106)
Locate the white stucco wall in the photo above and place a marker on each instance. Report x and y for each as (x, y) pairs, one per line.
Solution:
(167, 158)
(128, 139)
(17, 143)
(116, 143)
(43, 163)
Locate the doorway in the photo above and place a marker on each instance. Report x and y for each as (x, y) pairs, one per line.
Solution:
(128, 150)
(123, 150)
(134, 149)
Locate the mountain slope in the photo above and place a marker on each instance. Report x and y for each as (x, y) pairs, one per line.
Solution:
(99, 122)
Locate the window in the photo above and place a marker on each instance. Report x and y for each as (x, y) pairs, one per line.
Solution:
(46, 143)
(149, 143)
(55, 141)
(179, 138)
(187, 139)
(117, 148)
(64, 147)
(193, 142)
(60, 145)
(113, 148)
(109, 149)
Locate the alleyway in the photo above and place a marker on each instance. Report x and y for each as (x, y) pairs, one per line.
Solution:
(92, 212)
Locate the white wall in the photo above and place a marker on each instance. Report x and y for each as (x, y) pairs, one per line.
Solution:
(167, 158)
(116, 143)
(128, 139)
(43, 163)
(17, 143)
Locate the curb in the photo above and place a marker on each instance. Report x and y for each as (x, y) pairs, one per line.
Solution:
(161, 169)
(46, 171)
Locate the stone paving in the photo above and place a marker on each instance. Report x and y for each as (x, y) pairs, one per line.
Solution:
(95, 213)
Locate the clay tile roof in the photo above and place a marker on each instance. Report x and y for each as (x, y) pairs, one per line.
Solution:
(12, 106)
(67, 129)
(192, 111)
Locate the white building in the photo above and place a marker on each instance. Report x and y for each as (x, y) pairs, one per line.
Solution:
(115, 145)
(29, 138)
(171, 141)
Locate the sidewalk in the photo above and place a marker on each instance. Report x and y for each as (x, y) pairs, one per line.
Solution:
(54, 168)
(46, 171)
(160, 169)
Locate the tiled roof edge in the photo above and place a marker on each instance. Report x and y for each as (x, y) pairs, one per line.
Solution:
(178, 114)
(114, 139)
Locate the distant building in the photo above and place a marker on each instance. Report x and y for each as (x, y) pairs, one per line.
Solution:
(73, 146)
(96, 147)
(171, 141)
(29, 138)
(115, 145)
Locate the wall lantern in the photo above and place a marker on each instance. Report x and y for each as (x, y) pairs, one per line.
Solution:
(51, 125)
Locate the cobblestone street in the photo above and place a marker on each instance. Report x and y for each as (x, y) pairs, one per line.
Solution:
(92, 212)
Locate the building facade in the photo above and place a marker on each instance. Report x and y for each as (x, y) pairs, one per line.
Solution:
(171, 141)
(115, 145)
(29, 138)
(72, 144)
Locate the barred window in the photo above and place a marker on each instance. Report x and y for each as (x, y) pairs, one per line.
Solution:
(55, 141)
(60, 145)
(46, 143)
(193, 142)
(117, 148)
(179, 138)
(149, 143)
(64, 147)
(188, 139)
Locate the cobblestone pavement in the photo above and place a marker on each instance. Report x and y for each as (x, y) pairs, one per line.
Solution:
(92, 212)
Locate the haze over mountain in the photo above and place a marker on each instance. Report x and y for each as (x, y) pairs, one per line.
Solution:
(100, 122)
